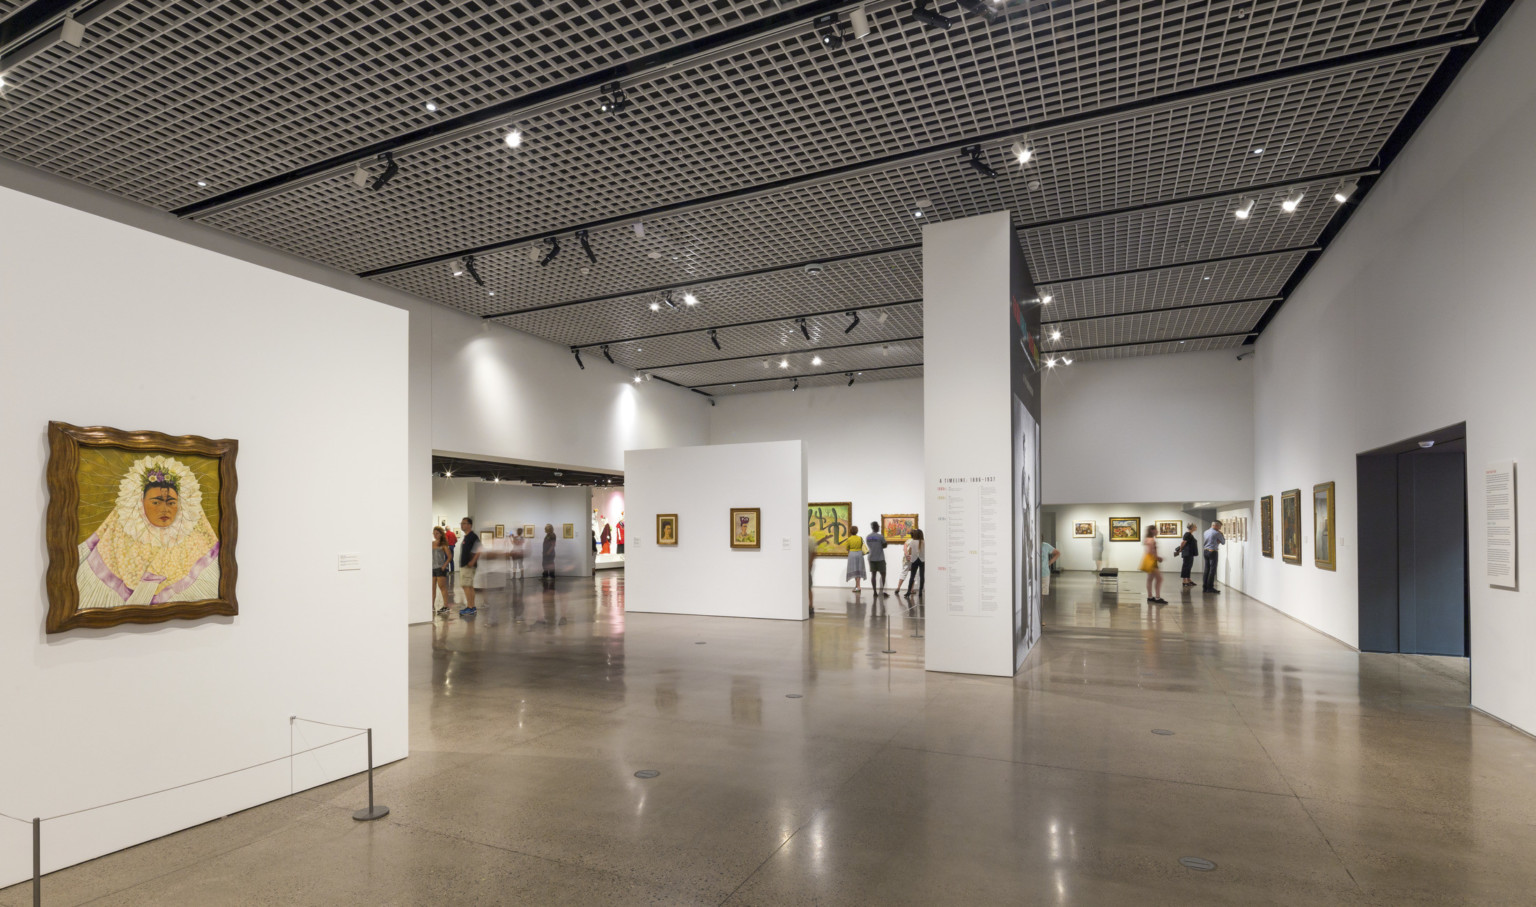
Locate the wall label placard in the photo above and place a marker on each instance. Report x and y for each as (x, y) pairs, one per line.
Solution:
(1499, 503)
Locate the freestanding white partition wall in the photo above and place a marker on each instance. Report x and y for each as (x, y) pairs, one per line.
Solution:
(702, 573)
(981, 412)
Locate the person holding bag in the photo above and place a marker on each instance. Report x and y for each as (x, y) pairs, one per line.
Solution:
(1187, 550)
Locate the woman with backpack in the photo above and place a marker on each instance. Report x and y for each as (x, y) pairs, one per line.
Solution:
(1187, 550)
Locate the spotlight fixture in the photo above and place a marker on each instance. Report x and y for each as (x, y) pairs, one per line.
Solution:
(1292, 202)
(858, 20)
(830, 29)
(1345, 190)
(390, 169)
(202, 183)
(783, 363)
(667, 299)
(361, 178)
(850, 378)
(983, 9)
(1022, 153)
(1066, 361)
(1055, 335)
(554, 249)
(1046, 299)
(815, 360)
(431, 107)
(882, 317)
(639, 228)
(690, 300)
(929, 18)
(804, 330)
(637, 379)
(1258, 150)
(713, 339)
(514, 139)
(852, 324)
(72, 31)
(586, 247)
(1244, 208)
(612, 100)
(795, 384)
(607, 355)
(972, 155)
(1050, 362)
(577, 353)
(469, 265)
(655, 306)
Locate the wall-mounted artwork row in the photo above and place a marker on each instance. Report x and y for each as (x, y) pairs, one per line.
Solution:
(1267, 525)
(141, 527)
(1290, 526)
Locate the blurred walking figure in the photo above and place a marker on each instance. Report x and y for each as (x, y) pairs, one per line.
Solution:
(1149, 562)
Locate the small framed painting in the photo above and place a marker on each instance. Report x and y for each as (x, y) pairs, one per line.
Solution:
(1084, 529)
(500, 532)
(1267, 525)
(1169, 528)
(1290, 526)
(1323, 540)
(1125, 529)
(897, 527)
(832, 525)
(529, 531)
(666, 529)
(746, 528)
(568, 531)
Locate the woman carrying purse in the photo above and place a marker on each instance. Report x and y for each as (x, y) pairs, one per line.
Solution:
(1188, 548)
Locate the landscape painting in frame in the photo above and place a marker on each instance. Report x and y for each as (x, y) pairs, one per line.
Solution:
(1169, 528)
(1125, 529)
(831, 525)
(1290, 526)
(141, 527)
(1267, 525)
(746, 528)
(666, 529)
(1323, 540)
(1084, 529)
(897, 527)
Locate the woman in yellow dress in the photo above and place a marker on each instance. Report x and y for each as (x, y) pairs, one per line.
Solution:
(1149, 562)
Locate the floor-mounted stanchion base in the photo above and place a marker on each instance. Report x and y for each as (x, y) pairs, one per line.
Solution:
(371, 813)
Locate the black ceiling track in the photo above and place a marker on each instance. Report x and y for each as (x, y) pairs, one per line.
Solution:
(1456, 58)
(1113, 112)
(780, 353)
(742, 324)
(1171, 308)
(469, 468)
(838, 373)
(1116, 346)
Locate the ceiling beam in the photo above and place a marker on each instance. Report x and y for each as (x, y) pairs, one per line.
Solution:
(1171, 308)
(1178, 264)
(1243, 85)
(1113, 346)
(780, 353)
(522, 107)
(832, 374)
(742, 324)
(34, 28)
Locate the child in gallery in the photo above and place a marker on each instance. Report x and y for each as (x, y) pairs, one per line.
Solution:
(1149, 562)
(856, 571)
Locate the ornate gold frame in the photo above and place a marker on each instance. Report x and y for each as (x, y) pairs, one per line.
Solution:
(756, 511)
(1267, 525)
(1321, 559)
(894, 516)
(675, 527)
(64, 443)
(1124, 519)
(1295, 495)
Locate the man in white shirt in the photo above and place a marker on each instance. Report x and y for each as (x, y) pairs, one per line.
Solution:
(1212, 545)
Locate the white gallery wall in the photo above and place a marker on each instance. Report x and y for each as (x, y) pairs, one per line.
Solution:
(702, 574)
(1420, 315)
(1077, 554)
(1149, 428)
(863, 444)
(104, 324)
(516, 505)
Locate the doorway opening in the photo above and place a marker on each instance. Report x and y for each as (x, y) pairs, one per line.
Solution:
(1414, 597)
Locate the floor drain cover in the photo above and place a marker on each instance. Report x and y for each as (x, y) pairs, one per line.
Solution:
(1199, 864)
(1161, 732)
(793, 696)
(651, 773)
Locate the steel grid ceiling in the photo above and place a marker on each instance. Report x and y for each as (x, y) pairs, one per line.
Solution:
(763, 150)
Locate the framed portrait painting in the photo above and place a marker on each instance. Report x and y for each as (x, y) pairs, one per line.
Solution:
(1290, 526)
(568, 531)
(831, 525)
(897, 527)
(746, 528)
(1084, 529)
(141, 527)
(1125, 529)
(1323, 540)
(666, 529)
(1267, 525)
(1169, 528)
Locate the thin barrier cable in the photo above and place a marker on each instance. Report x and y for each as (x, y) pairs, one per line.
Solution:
(235, 771)
(14, 819)
(345, 727)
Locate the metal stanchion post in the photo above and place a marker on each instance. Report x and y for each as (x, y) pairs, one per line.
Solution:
(373, 811)
(37, 862)
(888, 650)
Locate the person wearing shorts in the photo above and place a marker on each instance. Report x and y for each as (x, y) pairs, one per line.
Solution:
(875, 543)
(469, 556)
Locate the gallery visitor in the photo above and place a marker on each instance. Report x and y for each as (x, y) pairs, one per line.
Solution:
(620, 528)
(1213, 542)
(875, 542)
(1149, 565)
(1098, 550)
(442, 554)
(1049, 554)
(1187, 550)
(549, 551)
(607, 538)
(469, 557)
(914, 557)
(856, 571)
(518, 543)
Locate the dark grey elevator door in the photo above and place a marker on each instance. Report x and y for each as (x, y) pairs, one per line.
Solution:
(1431, 564)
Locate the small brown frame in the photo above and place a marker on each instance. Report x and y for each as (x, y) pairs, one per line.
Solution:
(663, 538)
(1267, 525)
(1290, 526)
(757, 523)
(64, 444)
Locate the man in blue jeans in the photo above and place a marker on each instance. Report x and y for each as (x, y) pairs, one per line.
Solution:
(875, 542)
(1213, 542)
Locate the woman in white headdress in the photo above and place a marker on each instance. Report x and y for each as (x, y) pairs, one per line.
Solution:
(156, 546)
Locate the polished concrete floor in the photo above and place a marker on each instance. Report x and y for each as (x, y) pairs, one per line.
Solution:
(800, 765)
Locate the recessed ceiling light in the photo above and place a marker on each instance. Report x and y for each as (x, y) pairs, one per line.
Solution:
(654, 256)
(1050, 363)
(655, 306)
(1055, 335)
(637, 379)
(490, 292)
(816, 360)
(1205, 278)
(1258, 151)
(917, 214)
(1033, 185)
(1022, 153)
(783, 363)
(202, 182)
(690, 299)
(514, 139)
(431, 107)
(1046, 299)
